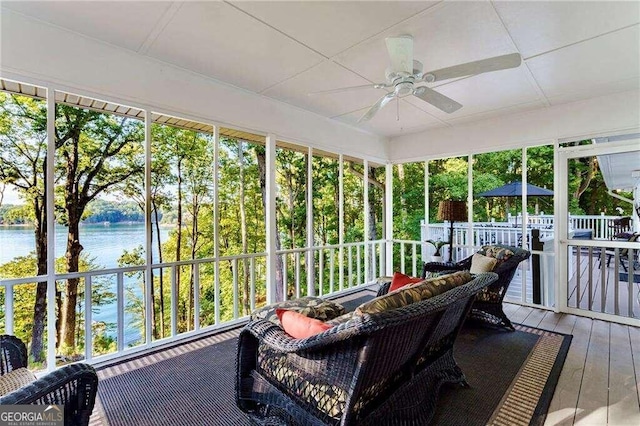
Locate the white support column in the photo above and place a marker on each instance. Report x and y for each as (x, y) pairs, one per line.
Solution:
(341, 221)
(560, 218)
(469, 241)
(216, 222)
(426, 211)
(365, 182)
(148, 272)
(311, 291)
(51, 229)
(270, 213)
(523, 207)
(388, 206)
(523, 225)
(636, 202)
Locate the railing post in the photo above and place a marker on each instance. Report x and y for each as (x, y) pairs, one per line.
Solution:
(270, 212)
(536, 245)
(388, 222)
(8, 309)
(310, 259)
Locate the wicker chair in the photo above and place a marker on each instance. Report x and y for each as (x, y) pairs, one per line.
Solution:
(383, 368)
(73, 386)
(488, 305)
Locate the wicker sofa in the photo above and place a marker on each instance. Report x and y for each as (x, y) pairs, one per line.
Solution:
(73, 386)
(382, 368)
(488, 305)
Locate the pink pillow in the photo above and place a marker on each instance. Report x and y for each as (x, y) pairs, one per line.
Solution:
(299, 326)
(400, 280)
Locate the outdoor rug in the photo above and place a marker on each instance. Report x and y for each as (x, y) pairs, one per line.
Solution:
(512, 377)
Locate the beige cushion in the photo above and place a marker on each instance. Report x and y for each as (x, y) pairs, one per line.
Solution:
(480, 264)
(14, 380)
(414, 293)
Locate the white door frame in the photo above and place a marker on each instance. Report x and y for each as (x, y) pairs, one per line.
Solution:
(562, 221)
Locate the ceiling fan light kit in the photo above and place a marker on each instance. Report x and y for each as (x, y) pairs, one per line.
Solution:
(405, 74)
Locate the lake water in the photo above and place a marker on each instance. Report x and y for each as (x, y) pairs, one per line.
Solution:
(104, 244)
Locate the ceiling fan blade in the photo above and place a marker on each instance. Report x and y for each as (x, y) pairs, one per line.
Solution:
(401, 53)
(496, 63)
(345, 89)
(377, 107)
(436, 99)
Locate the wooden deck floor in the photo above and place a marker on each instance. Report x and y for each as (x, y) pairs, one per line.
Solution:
(600, 380)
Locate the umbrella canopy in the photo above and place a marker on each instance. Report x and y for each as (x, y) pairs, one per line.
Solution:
(514, 189)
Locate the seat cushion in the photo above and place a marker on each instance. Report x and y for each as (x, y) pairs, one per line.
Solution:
(300, 326)
(481, 263)
(499, 253)
(15, 379)
(341, 319)
(312, 307)
(414, 293)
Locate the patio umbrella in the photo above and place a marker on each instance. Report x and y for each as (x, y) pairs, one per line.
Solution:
(514, 189)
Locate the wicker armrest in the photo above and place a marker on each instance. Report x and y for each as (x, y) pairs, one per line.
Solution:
(383, 289)
(13, 354)
(441, 266)
(73, 384)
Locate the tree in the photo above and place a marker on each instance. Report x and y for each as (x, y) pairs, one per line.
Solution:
(23, 157)
(95, 153)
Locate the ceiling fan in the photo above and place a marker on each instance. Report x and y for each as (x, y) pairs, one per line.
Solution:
(405, 74)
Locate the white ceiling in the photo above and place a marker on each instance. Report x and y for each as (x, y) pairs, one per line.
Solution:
(284, 50)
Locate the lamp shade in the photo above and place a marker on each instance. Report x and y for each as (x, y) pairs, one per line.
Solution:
(452, 211)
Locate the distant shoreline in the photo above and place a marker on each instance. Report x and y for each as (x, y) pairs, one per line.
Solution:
(126, 223)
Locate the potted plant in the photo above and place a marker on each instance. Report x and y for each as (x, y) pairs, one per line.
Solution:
(437, 256)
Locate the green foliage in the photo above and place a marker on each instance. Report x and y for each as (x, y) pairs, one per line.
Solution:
(106, 154)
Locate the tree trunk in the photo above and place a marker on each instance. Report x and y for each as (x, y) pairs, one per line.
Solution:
(40, 304)
(592, 166)
(262, 168)
(161, 289)
(243, 232)
(74, 248)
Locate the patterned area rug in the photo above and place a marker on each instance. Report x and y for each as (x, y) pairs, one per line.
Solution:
(512, 377)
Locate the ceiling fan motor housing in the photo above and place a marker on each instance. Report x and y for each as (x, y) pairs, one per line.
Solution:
(404, 88)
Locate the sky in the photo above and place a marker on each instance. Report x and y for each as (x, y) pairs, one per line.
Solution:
(11, 196)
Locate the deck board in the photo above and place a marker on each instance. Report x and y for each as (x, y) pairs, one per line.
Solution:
(534, 318)
(594, 395)
(624, 407)
(562, 410)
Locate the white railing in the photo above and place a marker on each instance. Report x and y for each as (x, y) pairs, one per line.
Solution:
(603, 277)
(597, 227)
(218, 302)
(134, 326)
